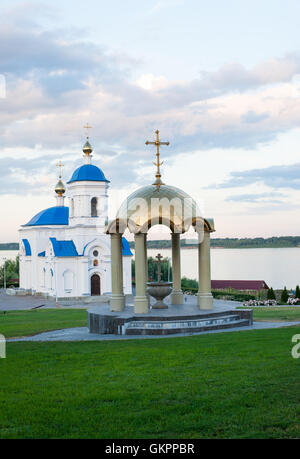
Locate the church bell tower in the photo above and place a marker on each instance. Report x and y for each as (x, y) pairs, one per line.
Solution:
(88, 192)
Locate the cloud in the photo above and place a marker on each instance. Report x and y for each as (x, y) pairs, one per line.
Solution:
(271, 198)
(56, 82)
(163, 4)
(252, 117)
(275, 177)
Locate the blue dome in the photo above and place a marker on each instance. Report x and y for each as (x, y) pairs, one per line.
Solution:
(52, 216)
(88, 172)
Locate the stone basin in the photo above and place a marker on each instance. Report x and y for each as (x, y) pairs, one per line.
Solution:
(159, 291)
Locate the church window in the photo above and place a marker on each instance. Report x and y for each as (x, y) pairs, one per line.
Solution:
(95, 263)
(95, 253)
(68, 280)
(94, 207)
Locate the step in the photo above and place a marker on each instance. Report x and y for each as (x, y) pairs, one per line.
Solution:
(182, 326)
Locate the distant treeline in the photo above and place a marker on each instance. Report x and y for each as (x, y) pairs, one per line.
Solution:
(9, 246)
(233, 243)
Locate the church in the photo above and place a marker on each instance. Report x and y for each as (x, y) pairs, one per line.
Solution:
(64, 251)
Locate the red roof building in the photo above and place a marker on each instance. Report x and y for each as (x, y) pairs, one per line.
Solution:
(239, 284)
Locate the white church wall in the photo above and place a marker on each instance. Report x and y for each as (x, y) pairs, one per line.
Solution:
(25, 273)
(84, 277)
(127, 281)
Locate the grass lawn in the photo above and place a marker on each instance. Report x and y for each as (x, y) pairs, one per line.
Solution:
(22, 323)
(275, 314)
(237, 385)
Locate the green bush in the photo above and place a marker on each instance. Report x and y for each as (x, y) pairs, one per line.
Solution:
(231, 294)
(189, 284)
(297, 292)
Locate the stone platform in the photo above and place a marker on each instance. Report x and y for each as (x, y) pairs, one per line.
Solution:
(185, 318)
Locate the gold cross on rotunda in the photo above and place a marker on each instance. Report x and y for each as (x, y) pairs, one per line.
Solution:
(87, 127)
(157, 143)
(60, 165)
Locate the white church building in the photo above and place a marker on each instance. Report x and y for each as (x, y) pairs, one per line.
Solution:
(64, 251)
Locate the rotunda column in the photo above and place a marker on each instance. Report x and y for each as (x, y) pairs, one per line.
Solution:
(177, 295)
(141, 302)
(205, 298)
(117, 299)
(146, 269)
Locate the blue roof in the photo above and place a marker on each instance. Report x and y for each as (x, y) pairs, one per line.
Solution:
(58, 215)
(63, 248)
(126, 248)
(27, 247)
(88, 172)
(42, 254)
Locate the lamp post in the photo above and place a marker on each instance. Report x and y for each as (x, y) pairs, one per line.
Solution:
(169, 259)
(4, 274)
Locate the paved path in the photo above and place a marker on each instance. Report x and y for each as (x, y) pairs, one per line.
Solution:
(82, 333)
(19, 303)
(26, 302)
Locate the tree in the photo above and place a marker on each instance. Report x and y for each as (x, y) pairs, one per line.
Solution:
(166, 270)
(11, 270)
(271, 294)
(284, 296)
(297, 292)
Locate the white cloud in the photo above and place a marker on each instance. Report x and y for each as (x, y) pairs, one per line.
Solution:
(163, 4)
(152, 83)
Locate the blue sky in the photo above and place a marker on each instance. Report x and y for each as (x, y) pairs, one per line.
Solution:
(219, 79)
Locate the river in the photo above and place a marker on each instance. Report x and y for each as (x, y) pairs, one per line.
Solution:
(277, 267)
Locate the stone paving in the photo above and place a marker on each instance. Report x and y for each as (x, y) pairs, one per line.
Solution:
(189, 308)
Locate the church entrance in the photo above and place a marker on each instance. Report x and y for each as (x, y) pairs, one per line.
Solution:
(95, 285)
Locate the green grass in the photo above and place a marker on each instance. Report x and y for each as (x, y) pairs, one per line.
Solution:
(22, 323)
(227, 385)
(266, 313)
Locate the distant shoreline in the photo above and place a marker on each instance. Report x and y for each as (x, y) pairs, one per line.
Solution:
(280, 242)
(233, 243)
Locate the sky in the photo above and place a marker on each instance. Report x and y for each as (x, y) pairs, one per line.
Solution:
(220, 80)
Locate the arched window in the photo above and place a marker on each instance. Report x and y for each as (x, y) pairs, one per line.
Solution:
(94, 207)
(68, 280)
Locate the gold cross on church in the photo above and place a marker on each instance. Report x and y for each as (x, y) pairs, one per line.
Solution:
(157, 143)
(60, 165)
(87, 127)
